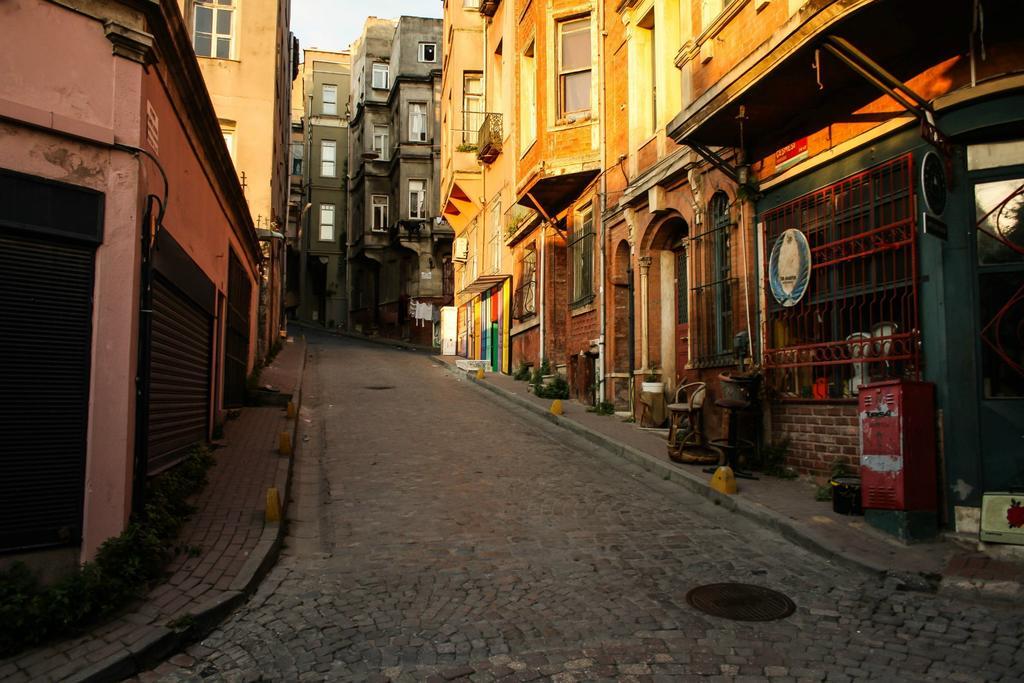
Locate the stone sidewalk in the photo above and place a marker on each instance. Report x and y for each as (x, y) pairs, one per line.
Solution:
(227, 547)
(788, 506)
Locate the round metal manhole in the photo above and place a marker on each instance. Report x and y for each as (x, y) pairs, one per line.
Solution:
(740, 602)
(379, 387)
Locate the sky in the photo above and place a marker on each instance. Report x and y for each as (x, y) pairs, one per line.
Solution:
(334, 24)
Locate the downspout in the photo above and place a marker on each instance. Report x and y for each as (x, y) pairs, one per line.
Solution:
(632, 332)
(602, 304)
(485, 330)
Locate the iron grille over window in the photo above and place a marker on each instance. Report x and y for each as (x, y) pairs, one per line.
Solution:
(714, 287)
(858, 320)
(524, 300)
(581, 249)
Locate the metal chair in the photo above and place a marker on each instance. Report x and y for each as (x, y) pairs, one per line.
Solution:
(689, 406)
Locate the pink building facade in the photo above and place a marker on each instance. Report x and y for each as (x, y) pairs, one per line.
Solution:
(129, 275)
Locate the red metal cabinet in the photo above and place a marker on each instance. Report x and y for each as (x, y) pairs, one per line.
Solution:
(897, 446)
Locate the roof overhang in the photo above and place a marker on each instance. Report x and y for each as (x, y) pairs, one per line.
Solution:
(551, 195)
(794, 87)
(485, 282)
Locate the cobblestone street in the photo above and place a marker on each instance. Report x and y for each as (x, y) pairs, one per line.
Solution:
(436, 532)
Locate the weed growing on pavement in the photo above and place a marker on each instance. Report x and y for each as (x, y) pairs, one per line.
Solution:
(31, 614)
(523, 373)
(603, 408)
(182, 623)
(823, 494)
(773, 460)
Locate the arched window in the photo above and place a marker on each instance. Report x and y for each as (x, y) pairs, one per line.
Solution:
(721, 224)
(714, 287)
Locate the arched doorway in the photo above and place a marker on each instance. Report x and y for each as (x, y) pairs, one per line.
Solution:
(669, 256)
(622, 366)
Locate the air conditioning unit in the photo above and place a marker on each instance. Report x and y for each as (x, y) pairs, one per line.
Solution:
(460, 249)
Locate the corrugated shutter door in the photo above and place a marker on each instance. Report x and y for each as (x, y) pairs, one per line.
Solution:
(45, 341)
(179, 399)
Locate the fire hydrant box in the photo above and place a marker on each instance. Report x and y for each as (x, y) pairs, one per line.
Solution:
(897, 446)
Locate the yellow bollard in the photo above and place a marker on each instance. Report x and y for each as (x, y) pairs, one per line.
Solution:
(723, 480)
(291, 410)
(273, 505)
(284, 443)
(479, 373)
(556, 407)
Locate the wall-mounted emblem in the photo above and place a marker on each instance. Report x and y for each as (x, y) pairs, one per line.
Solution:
(789, 267)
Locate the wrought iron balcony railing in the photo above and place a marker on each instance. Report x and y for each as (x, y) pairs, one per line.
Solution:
(524, 300)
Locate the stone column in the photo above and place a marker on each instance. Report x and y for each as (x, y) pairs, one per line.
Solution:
(645, 355)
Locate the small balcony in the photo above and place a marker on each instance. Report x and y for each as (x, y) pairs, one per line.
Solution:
(489, 141)
(489, 7)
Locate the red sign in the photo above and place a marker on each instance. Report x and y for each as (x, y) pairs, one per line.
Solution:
(790, 154)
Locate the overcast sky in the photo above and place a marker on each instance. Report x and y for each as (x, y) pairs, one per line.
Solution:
(334, 24)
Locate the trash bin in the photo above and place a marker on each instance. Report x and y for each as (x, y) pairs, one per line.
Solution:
(846, 496)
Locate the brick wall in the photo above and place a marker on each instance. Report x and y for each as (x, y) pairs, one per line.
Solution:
(526, 347)
(819, 433)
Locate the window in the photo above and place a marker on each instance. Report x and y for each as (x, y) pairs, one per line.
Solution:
(496, 234)
(418, 121)
(471, 4)
(328, 158)
(527, 99)
(213, 28)
(330, 100)
(379, 202)
(297, 154)
(417, 199)
(581, 250)
(574, 63)
(524, 300)
(428, 52)
(229, 140)
(858, 320)
(380, 76)
(709, 11)
(648, 63)
(713, 288)
(721, 224)
(472, 106)
(380, 142)
(327, 222)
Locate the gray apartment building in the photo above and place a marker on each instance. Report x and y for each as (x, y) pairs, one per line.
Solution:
(322, 159)
(399, 248)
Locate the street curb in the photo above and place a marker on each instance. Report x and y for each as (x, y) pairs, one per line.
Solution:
(670, 472)
(162, 641)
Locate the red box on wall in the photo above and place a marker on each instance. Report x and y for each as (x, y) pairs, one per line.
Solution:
(897, 445)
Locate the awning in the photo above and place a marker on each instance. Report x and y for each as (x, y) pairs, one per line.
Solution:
(485, 282)
(780, 92)
(551, 195)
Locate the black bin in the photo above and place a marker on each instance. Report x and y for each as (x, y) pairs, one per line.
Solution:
(846, 496)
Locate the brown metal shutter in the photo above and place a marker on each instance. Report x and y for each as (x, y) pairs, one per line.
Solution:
(45, 340)
(179, 389)
(236, 348)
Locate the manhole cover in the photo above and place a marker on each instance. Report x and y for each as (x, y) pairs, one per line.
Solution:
(740, 601)
(379, 387)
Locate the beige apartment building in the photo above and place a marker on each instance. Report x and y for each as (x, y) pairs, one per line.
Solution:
(248, 60)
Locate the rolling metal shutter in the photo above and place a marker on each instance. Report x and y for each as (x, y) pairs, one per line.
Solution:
(236, 351)
(48, 237)
(179, 381)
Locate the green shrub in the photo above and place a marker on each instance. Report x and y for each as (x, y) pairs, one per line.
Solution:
(558, 388)
(603, 408)
(523, 373)
(31, 614)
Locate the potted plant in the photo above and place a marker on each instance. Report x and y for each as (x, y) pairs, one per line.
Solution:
(652, 383)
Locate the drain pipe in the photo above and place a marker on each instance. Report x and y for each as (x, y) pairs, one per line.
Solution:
(602, 303)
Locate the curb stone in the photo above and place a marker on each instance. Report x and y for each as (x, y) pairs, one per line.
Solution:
(161, 641)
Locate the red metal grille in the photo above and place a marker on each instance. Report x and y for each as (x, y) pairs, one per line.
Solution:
(858, 320)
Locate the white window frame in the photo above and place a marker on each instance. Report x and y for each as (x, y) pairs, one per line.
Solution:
(377, 69)
(298, 154)
(472, 105)
(471, 4)
(229, 141)
(216, 9)
(711, 10)
(417, 109)
(418, 199)
(565, 74)
(528, 96)
(383, 134)
(379, 201)
(496, 235)
(333, 160)
(329, 107)
(326, 233)
(422, 53)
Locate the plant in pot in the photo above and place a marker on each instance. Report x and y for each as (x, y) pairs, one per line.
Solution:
(652, 382)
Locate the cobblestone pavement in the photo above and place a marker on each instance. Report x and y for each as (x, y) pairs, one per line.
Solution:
(447, 536)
